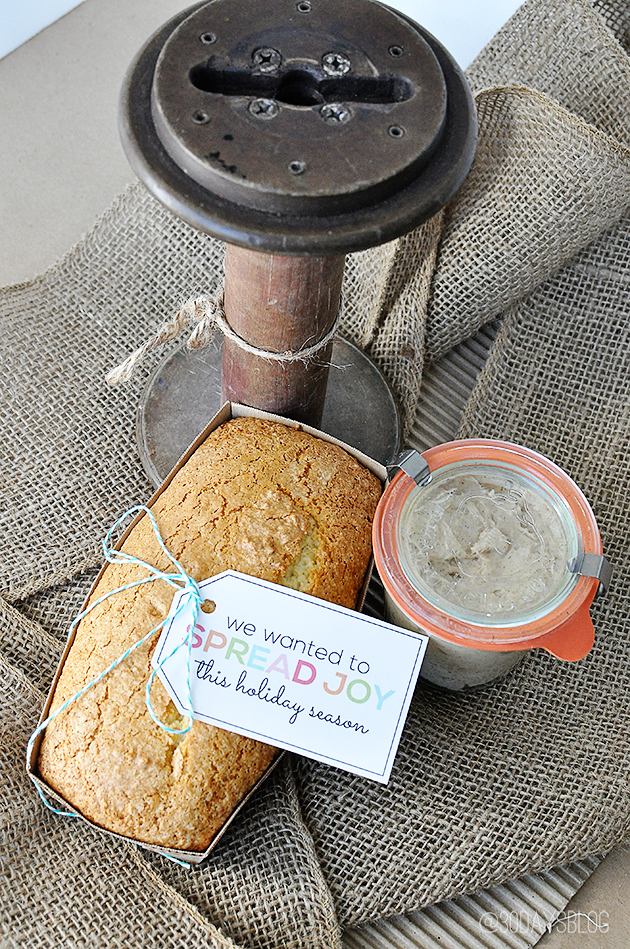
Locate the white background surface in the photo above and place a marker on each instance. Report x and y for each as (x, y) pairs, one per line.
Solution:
(463, 26)
(21, 19)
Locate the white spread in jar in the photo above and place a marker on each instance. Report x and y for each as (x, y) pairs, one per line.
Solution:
(486, 541)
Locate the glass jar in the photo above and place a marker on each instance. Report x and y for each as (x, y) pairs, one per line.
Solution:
(482, 560)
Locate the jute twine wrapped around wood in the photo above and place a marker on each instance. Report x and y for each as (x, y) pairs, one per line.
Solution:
(207, 315)
(519, 776)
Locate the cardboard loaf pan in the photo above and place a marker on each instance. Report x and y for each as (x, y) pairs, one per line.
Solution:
(227, 412)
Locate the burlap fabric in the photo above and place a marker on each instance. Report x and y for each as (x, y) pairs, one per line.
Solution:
(514, 778)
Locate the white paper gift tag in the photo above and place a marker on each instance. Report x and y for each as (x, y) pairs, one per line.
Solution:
(294, 671)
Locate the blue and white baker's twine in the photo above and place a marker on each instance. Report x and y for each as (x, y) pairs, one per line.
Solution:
(191, 595)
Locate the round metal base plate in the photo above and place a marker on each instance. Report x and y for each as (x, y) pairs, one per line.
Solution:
(184, 393)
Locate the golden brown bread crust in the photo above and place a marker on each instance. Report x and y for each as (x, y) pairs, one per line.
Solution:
(256, 497)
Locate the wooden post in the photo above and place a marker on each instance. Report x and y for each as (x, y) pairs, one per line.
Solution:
(279, 304)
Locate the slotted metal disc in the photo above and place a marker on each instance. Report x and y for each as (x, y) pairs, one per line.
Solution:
(298, 126)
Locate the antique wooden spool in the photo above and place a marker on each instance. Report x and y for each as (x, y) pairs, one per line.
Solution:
(297, 131)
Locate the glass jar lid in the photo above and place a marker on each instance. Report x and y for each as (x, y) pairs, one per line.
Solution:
(488, 544)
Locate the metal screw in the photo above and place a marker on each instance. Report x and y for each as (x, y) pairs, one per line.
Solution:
(396, 51)
(208, 38)
(200, 117)
(334, 113)
(297, 167)
(304, 6)
(267, 59)
(264, 108)
(335, 64)
(396, 131)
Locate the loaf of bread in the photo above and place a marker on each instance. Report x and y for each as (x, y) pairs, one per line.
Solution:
(257, 497)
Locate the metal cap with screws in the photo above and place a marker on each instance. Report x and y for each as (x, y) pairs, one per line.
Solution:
(369, 101)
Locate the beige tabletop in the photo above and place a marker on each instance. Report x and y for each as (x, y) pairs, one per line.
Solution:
(61, 164)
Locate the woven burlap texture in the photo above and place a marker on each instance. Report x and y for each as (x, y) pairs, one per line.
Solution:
(520, 776)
